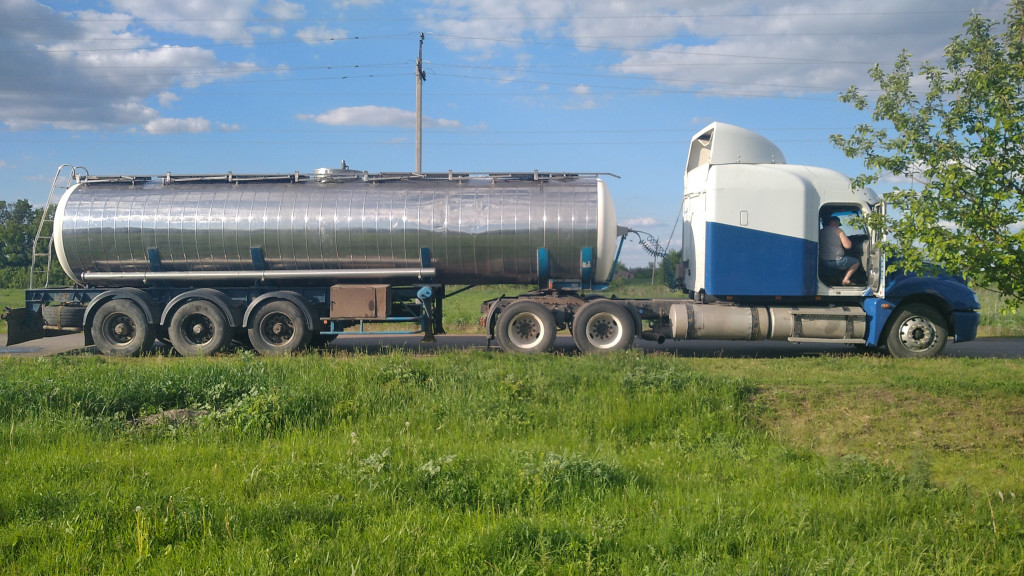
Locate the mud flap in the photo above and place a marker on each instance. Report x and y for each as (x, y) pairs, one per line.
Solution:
(23, 325)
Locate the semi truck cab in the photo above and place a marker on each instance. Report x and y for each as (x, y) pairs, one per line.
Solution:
(751, 231)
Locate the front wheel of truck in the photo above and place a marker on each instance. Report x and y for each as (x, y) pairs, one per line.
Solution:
(917, 331)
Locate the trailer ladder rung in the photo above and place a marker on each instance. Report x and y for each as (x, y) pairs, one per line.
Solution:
(66, 176)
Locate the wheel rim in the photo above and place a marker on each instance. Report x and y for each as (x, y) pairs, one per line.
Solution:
(525, 330)
(604, 330)
(197, 329)
(277, 329)
(917, 334)
(119, 329)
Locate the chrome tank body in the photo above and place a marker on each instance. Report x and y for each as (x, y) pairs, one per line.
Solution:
(479, 230)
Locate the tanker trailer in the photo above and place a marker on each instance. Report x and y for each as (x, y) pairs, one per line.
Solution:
(285, 259)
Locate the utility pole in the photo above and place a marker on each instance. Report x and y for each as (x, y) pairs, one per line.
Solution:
(421, 77)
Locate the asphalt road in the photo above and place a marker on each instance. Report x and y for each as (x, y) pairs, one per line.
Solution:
(374, 344)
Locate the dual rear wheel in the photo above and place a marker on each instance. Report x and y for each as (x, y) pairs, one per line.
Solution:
(278, 328)
(199, 328)
(528, 327)
(120, 328)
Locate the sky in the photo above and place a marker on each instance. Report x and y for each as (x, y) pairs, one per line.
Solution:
(145, 87)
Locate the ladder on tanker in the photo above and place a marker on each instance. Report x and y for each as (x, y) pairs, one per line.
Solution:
(42, 246)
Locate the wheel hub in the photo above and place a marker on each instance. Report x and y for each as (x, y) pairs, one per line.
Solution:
(603, 330)
(198, 329)
(278, 329)
(525, 330)
(917, 333)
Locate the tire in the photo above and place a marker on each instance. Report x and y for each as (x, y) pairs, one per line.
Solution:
(526, 327)
(917, 331)
(119, 328)
(279, 328)
(603, 326)
(199, 328)
(64, 316)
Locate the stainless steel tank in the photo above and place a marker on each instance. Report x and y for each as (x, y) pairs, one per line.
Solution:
(129, 231)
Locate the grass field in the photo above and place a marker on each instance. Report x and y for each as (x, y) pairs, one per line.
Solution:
(484, 463)
(996, 319)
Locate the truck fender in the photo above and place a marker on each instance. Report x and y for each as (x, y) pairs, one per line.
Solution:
(146, 302)
(878, 313)
(637, 321)
(293, 297)
(232, 312)
(490, 321)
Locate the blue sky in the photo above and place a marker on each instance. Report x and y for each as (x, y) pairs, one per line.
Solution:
(144, 87)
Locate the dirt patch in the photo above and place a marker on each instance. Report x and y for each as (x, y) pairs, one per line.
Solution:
(975, 440)
(175, 417)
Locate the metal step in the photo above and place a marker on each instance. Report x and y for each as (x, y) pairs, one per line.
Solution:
(841, 315)
(829, 340)
(832, 313)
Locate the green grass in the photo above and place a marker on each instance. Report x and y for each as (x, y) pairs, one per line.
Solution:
(485, 463)
(996, 319)
(10, 298)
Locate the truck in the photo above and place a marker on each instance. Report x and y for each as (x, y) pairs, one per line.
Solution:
(279, 262)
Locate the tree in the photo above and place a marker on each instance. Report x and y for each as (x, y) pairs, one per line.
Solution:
(955, 135)
(669, 263)
(18, 223)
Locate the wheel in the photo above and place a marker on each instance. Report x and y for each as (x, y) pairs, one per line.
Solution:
(917, 331)
(199, 328)
(278, 328)
(119, 328)
(64, 316)
(526, 327)
(603, 326)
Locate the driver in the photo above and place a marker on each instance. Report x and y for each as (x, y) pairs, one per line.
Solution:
(832, 246)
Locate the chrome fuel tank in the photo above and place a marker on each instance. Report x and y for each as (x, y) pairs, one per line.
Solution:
(479, 229)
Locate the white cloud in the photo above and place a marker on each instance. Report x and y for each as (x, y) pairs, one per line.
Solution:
(481, 25)
(343, 4)
(283, 10)
(375, 116)
(193, 17)
(320, 35)
(640, 222)
(729, 47)
(167, 98)
(175, 125)
(113, 69)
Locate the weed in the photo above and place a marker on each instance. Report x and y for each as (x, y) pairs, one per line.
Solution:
(141, 535)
